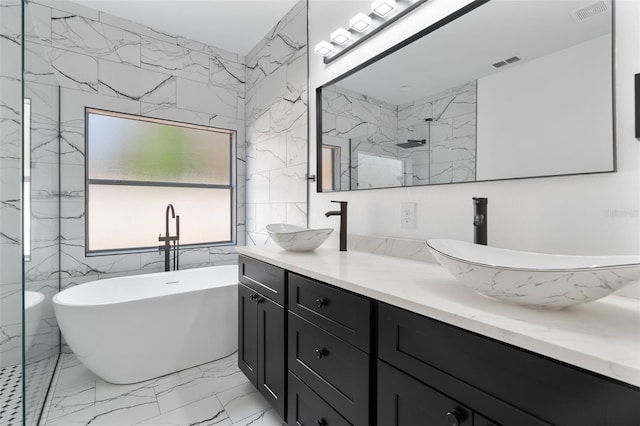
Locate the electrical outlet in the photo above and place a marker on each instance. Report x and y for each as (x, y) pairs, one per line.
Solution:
(408, 215)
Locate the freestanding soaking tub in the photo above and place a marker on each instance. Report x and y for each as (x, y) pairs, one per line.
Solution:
(135, 328)
(33, 302)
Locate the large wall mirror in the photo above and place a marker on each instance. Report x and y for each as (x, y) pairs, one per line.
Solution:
(506, 89)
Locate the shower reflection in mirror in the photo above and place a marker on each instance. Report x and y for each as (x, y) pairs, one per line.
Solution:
(428, 141)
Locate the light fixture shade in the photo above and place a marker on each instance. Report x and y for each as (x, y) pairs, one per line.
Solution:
(324, 48)
(360, 22)
(383, 7)
(340, 36)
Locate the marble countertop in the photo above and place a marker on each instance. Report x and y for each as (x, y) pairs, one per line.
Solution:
(602, 336)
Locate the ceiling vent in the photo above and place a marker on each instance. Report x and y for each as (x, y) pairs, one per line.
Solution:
(507, 61)
(589, 11)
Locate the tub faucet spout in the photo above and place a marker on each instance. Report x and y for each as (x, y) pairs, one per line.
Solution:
(168, 239)
(343, 222)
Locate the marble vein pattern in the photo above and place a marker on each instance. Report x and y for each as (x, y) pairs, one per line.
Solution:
(298, 239)
(276, 113)
(216, 393)
(370, 130)
(82, 35)
(537, 287)
(395, 247)
(10, 205)
(106, 62)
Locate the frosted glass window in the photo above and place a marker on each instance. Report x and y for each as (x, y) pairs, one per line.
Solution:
(128, 148)
(136, 166)
(136, 214)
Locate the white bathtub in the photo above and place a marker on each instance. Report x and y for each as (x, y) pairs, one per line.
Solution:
(135, 328)
(32, 314)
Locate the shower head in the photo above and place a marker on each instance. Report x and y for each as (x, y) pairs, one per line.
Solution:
(412, 143)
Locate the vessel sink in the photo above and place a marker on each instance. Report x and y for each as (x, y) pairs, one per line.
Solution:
(296, 238)
(534, 279)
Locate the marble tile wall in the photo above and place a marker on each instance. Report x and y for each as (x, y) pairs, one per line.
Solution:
(363, 125)
(106, 62)
(394, 247)
(452, 134)
(42, 269)
(276, 114)
(10, 185)
(359, 123)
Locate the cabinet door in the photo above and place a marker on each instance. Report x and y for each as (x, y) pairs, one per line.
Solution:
(404, 401)
(271, 353)
(248, 333)
(306, 408)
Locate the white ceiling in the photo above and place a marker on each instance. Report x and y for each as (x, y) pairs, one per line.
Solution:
(465, 50)
(233, 25)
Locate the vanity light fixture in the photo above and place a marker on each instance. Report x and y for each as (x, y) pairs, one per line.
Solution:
(383, 7)
(340, 36)
(360, 22)
(383, 13)
(324, 48)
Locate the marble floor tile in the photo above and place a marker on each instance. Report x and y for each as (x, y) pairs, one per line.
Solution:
(73, 373)
(207, 411)
(123, 410)
(70, 400)
(263, 418)
(242, 401)
(216, 393)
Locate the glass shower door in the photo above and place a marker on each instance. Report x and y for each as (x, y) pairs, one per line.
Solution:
(41, 212)
(10, 214)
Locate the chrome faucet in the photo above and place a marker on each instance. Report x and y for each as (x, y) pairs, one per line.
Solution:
(343, 222)
(167, 239)
(480, 221)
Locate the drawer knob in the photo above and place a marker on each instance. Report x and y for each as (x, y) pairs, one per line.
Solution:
(260, 299)
(320, 302)
(455, 417)
(322, 422)
(321, 353)
(254, 296)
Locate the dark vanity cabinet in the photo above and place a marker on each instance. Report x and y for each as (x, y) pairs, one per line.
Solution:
(339, 358)
(485, 382)
(261, 329)
(329, 363)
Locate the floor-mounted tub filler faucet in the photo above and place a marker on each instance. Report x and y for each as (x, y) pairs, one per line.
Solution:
(168, 239)
(343, 222)
(480, 220)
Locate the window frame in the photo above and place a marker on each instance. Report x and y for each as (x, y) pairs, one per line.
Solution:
(232, 186)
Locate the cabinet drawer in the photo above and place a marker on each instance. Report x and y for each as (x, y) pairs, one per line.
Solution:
(337, 311)
(478, 420)
(335, 370)
(404, 401)
(306, 408)
(266, 279)
(493, 378)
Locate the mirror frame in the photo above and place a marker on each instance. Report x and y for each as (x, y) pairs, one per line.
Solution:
(424, 32)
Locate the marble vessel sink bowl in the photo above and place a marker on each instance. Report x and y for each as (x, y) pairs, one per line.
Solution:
(535, 279)
(296, 238)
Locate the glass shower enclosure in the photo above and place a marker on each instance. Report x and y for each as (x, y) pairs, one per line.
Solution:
(29, 212)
